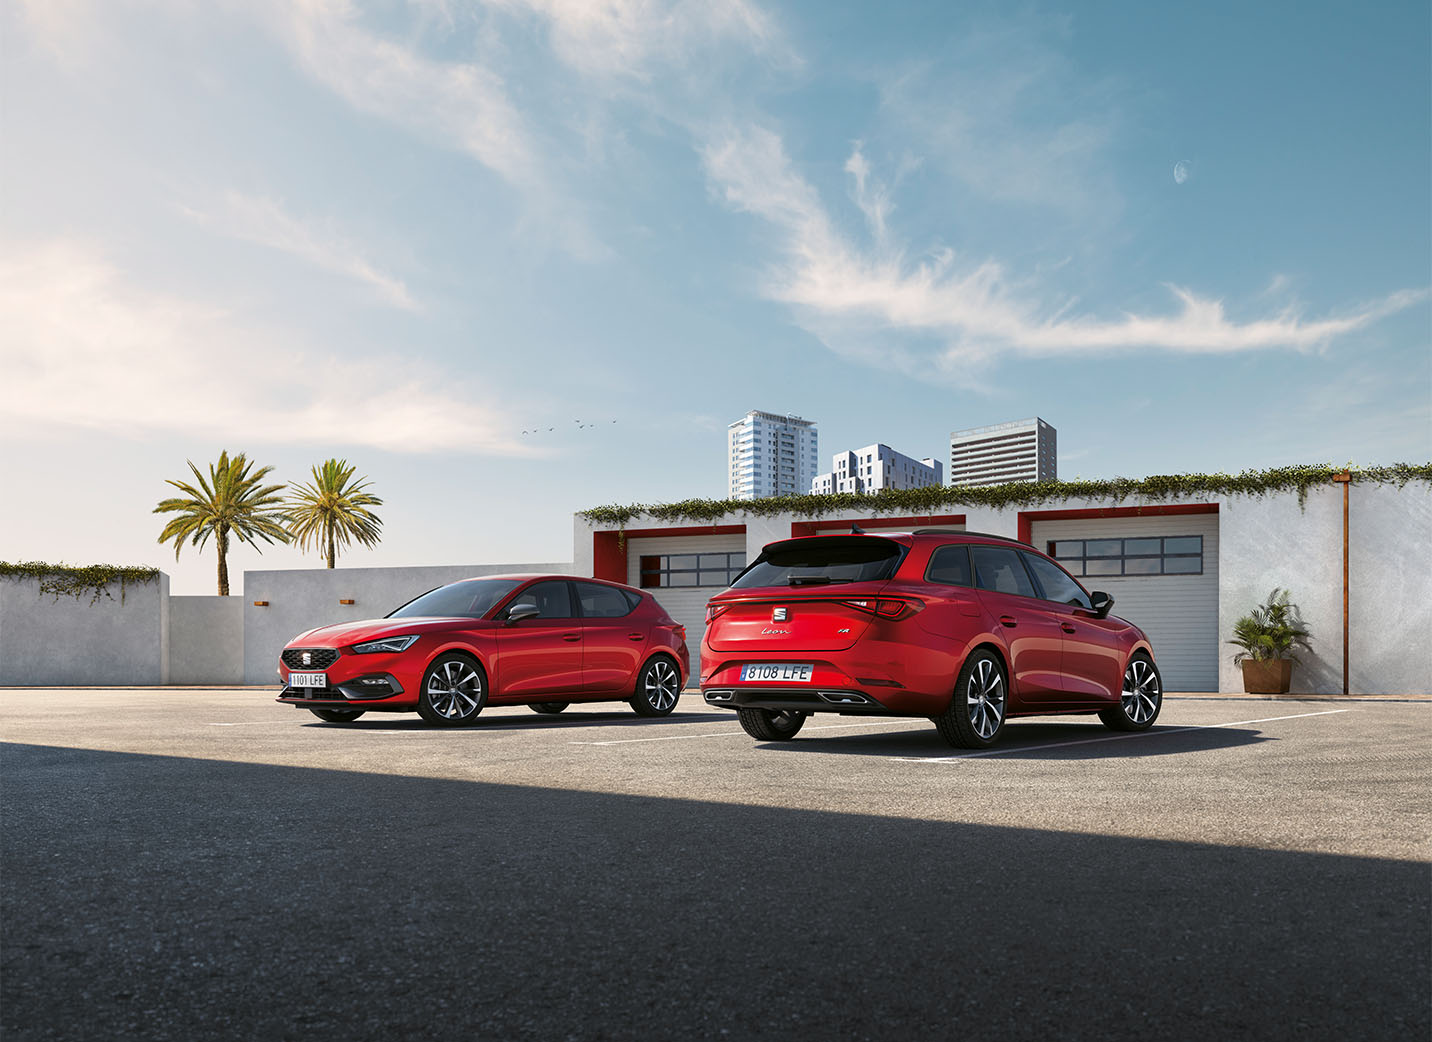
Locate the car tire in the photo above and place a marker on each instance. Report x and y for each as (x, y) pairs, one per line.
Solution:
(453, 691)
(337, 716)
(979, 706)
(770, 725)
(658, 686)
(1141, 697)
(548, 708)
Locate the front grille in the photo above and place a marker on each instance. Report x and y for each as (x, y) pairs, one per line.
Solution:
(319, 658)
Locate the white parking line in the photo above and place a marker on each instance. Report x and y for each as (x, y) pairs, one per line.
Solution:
(727, 734)
(1111, 738)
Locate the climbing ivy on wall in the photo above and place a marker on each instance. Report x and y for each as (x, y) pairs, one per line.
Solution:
(63, 580)
(918, 501)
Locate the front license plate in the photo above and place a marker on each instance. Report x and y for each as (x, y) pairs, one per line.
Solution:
(308, 680)
(797, 672)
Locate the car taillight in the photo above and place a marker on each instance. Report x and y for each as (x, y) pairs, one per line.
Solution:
(713, 611)
(886, 607)
(680, 631)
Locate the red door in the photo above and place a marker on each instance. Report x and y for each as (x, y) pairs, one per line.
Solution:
(542, 655)
(1092, 659)
(1031, 633)
(613, 639)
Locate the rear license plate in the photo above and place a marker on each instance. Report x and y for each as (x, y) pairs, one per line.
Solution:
(308, 680)
(797, 672)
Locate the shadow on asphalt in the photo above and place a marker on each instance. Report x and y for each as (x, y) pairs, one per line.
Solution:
(158, 897)
(536, 721)
(1029, 741)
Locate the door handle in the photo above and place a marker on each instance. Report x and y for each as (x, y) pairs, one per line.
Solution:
(1067, 628)
(1008, 620)
(636, 636)
(571, 636)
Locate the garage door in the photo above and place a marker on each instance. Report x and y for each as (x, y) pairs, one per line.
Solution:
(683, 573)
(1163, 575)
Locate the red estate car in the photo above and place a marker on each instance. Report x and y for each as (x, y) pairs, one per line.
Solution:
(544, 641)
(966, 629)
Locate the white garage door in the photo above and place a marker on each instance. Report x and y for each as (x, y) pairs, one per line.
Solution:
(1163, 575)
(690, 570)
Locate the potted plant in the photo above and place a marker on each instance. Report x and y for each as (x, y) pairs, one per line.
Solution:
(1267, 636)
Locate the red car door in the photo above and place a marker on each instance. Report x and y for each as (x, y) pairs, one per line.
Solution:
(1031, 633)
(541, 655)
(1092, 663)
(613, 639)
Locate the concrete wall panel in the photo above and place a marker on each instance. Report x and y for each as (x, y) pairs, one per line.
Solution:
(61, 641)
(206, 640)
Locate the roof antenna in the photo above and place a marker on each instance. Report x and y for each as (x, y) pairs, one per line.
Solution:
(856, 529)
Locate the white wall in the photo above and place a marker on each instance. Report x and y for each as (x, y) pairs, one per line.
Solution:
(45, 640)
(301, 599)
(1271, 542)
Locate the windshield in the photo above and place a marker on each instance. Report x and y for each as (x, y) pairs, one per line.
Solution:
(470, 599)
(823, 560)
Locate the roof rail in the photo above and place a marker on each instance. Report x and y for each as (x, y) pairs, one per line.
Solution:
(982, 535)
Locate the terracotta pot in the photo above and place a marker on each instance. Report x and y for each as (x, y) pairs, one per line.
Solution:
(1271, 677)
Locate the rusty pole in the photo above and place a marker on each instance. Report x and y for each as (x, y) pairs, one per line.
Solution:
(1344, 479)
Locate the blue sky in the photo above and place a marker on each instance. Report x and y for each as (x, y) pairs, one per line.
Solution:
(1192, 237)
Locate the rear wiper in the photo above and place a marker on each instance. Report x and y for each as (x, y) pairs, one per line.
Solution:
(813, 580)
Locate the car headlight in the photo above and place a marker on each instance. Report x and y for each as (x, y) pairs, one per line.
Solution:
(387, 644)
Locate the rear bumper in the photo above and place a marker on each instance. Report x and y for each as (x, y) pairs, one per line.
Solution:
(805, 700)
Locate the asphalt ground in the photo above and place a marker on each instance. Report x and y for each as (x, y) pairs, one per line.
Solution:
(212, 865)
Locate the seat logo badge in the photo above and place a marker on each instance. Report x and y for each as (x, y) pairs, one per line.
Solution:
(308, 658)
(778, 615)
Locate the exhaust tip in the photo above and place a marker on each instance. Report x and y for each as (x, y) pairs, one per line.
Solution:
(845, 698)
(719, 696)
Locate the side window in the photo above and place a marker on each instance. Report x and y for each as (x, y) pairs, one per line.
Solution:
(552, 597)
(949, 565)
(602, 602)
(1057, 586)
(999, 569)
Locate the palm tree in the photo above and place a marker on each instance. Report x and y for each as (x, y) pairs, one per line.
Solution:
(331, 512)
(231, 502)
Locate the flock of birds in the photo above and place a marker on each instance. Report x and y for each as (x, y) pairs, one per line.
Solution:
(548, 430)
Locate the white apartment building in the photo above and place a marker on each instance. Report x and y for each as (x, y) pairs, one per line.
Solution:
(769, 454)
(1021, 450)
(873, 468)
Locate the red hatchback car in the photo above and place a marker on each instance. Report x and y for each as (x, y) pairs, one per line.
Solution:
(543, 641)
(966, 629)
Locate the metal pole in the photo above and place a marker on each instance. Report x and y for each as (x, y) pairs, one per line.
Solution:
(1344, 479)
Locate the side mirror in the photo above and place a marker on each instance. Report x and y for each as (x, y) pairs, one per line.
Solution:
(1102, 602)
(525, 610)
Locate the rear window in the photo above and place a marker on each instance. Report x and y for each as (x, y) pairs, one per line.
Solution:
(816, 562)
(471, 599)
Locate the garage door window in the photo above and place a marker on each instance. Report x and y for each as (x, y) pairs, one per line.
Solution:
(1146, 555)
(675, 570)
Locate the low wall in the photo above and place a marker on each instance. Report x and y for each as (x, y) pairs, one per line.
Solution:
(120, 639)
(206, 640)
(302, 598)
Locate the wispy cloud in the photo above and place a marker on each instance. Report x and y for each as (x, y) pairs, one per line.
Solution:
(319, 243)
(81, 346)
(628, 38)
(457, 104)
(970, 309)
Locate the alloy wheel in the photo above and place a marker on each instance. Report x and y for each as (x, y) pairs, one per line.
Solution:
(1141, 693)
(454, 690)
(985, 698)
(661, 685)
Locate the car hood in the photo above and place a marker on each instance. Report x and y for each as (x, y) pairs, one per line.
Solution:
(342, 634)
